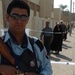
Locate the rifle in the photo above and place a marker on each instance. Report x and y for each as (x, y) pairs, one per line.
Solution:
(5, 51)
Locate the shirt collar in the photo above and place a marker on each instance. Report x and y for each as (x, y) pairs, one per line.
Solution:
(28, 46)
(7, 37)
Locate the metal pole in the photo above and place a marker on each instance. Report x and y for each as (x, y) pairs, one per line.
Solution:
(73, 7)
(73, 15)
(70, 17)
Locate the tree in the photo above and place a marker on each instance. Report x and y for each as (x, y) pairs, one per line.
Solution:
(65, 13)
(63, 7)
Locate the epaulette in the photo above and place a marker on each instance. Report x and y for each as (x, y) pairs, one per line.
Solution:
(39, 44)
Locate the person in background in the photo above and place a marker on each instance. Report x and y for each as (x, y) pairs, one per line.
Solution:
(57, 39)
(28, 53)
(66, 32)
(47, 36)
(63, 26)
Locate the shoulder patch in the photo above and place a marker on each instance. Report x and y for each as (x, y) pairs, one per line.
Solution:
(40, 45)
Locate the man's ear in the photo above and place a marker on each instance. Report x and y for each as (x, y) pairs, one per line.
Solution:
(7, 17)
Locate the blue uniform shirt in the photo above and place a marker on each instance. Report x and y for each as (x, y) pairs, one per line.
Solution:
(43, 63)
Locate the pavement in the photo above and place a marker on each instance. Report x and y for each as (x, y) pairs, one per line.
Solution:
(64, 62)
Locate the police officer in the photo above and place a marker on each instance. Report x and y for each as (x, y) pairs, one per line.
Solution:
(29, 54)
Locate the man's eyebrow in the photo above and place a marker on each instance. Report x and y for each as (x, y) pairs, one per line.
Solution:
(18, 14)
(14, 14)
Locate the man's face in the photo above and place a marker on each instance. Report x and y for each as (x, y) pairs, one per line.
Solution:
(47, 24)
(17, 20)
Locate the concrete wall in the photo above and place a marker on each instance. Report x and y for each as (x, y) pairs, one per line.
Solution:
(5, 4)
(46, 8)
(1, 15)
(57, 14)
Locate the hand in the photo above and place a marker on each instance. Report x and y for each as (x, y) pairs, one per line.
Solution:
(30, 73)
(7, 70)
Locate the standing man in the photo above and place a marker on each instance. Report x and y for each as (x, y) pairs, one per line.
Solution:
(29, 57)
(63, 28)
(47, 36)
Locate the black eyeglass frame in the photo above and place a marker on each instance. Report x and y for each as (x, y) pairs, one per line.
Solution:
(16, 16)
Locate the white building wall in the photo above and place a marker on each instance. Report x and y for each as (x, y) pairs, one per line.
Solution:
(34, 24)
(38, 26)
(30, 23)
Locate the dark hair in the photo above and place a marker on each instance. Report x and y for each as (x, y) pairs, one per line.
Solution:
(19, 4)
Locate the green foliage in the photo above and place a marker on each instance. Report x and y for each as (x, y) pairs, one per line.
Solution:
(63, 7)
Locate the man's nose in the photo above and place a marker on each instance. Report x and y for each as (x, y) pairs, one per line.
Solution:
(19, 20)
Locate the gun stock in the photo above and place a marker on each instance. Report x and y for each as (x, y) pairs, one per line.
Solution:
(4, 50)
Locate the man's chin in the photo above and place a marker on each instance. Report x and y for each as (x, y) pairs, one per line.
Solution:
(19, 31)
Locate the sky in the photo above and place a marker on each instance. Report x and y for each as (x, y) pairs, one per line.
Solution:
(63, 2)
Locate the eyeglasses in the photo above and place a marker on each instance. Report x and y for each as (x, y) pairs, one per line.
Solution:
(17, 16)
